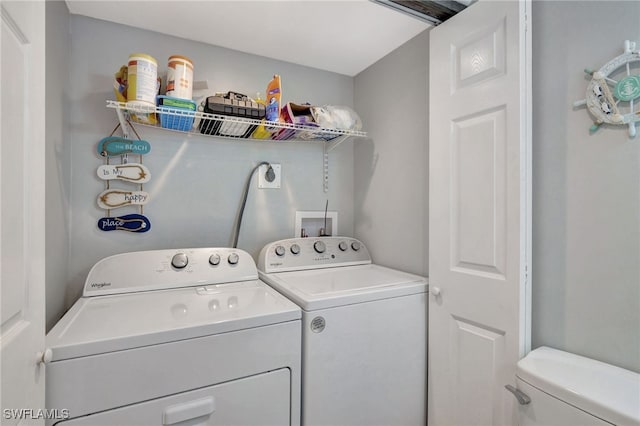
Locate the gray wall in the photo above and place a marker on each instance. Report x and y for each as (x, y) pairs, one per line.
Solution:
(586, 273)
(586, 190)
(58, 164)
(196, 181)
(391, 168)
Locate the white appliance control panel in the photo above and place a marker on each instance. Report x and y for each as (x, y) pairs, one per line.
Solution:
(296, 254)
(165, 269)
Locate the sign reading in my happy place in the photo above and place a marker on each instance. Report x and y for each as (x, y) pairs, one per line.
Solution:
(126, 171)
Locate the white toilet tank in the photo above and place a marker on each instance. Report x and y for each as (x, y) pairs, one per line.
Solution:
(571, 390)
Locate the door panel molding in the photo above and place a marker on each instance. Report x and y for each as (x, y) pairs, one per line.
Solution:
(475, 345)
(478, 193)
(481, 57)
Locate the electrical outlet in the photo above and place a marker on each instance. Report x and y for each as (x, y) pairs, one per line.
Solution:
(263, 183)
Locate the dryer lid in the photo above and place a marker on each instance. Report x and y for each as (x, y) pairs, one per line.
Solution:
(605, 391)
(117, 322)
(331, 287)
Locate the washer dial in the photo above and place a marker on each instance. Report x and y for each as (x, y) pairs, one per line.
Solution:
(179, 260)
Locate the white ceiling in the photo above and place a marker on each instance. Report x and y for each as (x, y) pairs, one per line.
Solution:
(342, 36)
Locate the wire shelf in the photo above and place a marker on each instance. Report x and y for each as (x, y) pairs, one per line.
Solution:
(229, 127)
(224, 126)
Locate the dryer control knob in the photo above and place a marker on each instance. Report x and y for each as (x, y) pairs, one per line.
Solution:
(214, 259)
(233, 258)
(343, 246)
(319, 247)
(295, 249)
(355, 246)
(280, 251)
(179, 260)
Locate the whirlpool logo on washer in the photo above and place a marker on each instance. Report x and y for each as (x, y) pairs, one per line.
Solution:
(99, 285)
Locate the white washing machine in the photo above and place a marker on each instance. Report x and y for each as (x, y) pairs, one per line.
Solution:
(364, 332)
(177, 337)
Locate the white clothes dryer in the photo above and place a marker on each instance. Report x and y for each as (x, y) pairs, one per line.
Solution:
(176, 337)
(364, 332)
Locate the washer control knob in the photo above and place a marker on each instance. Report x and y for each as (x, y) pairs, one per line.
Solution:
(233, 258)
(179, 260)
(295, 249)
(319, 247)
(355, 246)
(280, 251)
(343, 246)
(214, 259)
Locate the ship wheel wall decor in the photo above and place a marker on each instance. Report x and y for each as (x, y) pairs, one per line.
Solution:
(613, 94)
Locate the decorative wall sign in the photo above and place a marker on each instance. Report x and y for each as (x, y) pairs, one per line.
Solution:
(613, 94)
(130, 172)
(113, 198)
(129, 222)
(112, 146)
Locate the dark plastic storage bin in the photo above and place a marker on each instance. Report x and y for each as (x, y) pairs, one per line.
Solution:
(232, 105)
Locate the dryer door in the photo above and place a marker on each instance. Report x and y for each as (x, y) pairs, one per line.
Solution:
(263, 399)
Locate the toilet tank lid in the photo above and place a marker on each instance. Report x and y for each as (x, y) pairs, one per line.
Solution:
(603, 390)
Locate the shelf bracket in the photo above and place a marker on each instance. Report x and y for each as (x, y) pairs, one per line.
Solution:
(333, 144)
(325, 167)
(124, 125)
(327, 148)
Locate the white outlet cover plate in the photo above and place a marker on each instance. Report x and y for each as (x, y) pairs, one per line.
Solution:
(262, 182)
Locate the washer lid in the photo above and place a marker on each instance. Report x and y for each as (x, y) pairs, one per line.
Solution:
(331, 287)
(109, 323)
(605, 391)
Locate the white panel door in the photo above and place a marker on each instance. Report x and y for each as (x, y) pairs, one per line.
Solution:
(22, 206)
(479, 213)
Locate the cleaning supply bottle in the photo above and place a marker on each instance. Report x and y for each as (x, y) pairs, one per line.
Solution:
(261, 132)
(274, 98)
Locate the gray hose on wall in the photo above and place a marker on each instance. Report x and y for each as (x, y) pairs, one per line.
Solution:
(245, 194)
